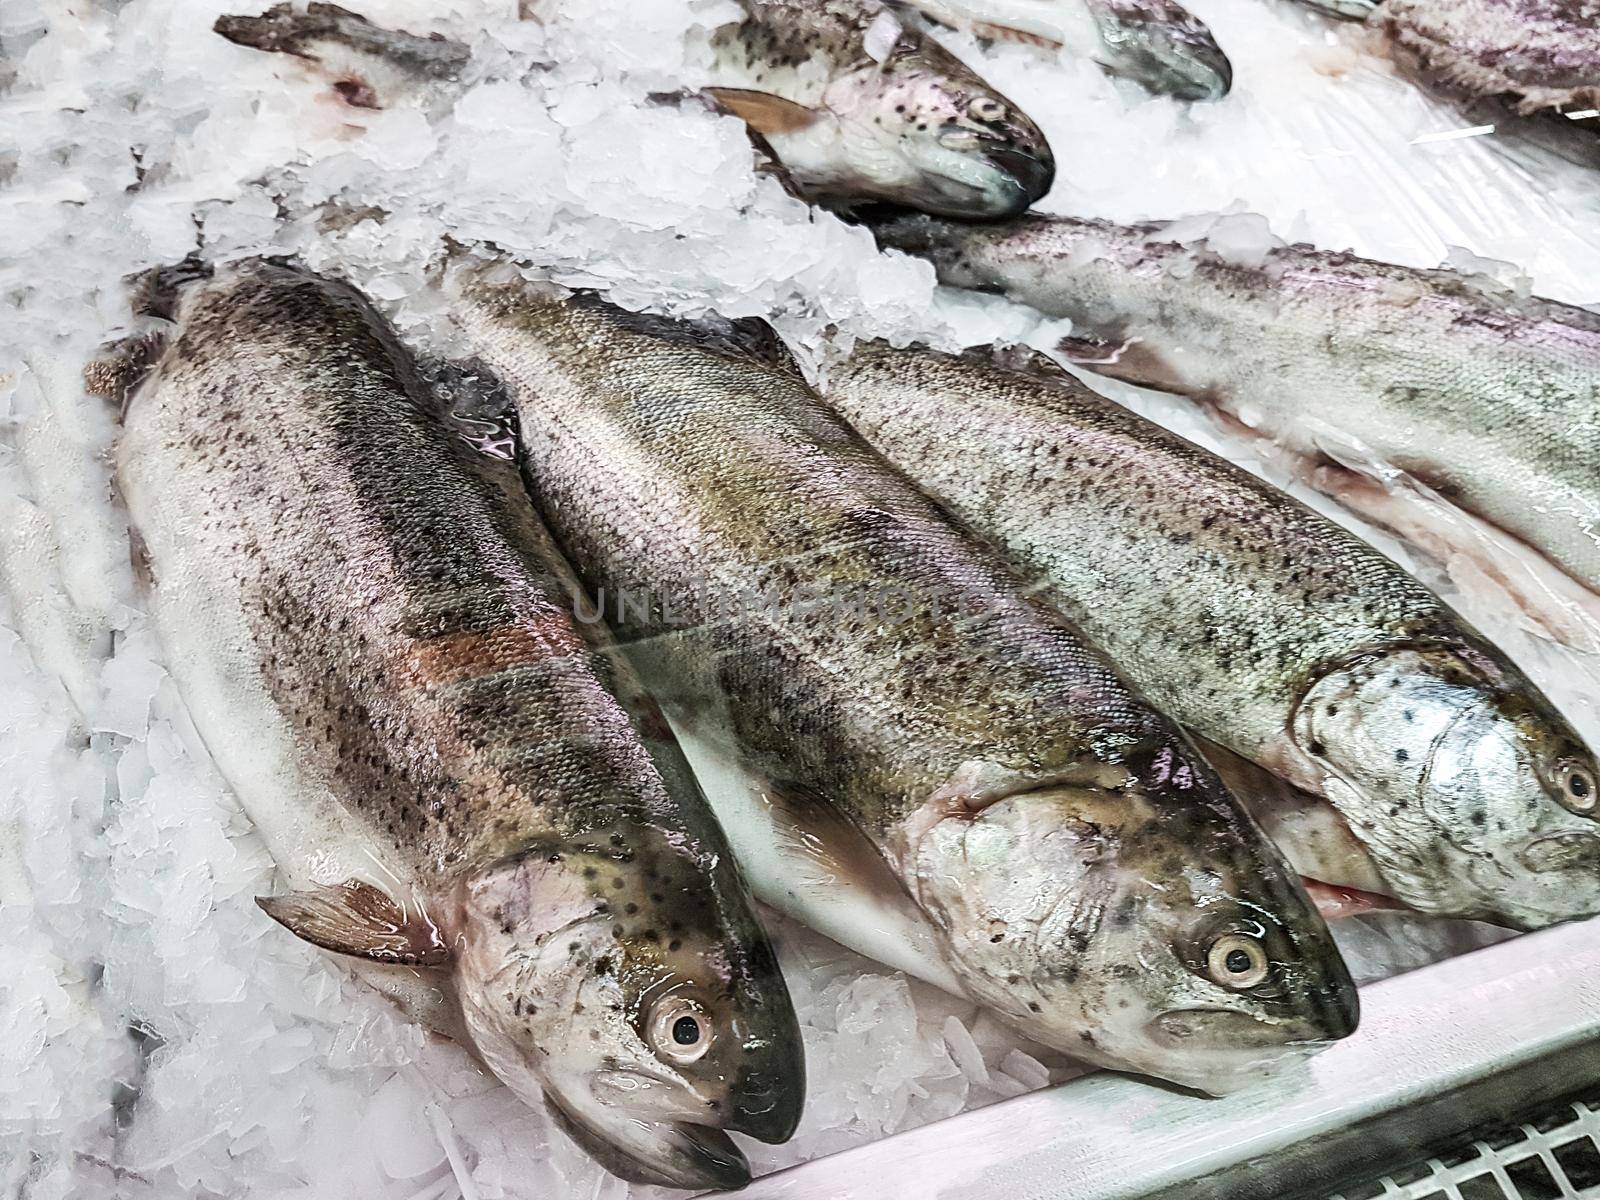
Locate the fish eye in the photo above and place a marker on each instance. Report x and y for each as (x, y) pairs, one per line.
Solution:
(680, 1030)
(1579, 790)
(986, 109)
(1237, 961)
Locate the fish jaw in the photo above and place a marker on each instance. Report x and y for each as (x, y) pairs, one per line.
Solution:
(1473, 797)
(590, 978)
(1164, 47)
(368, 66)
(904, 122)
(1104, 943)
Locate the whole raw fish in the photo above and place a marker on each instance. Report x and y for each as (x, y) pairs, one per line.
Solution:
(858, 106)
(1397, 389)
(1541, 55)
(1157, 43)
(934, 740)
(1447, 780)
(368, 66)
(376, 640)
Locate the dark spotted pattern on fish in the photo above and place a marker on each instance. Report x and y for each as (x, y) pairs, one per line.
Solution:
(811, 611)
(1489, 395)
(1256, 623)
(1543, 54)
(320, 529)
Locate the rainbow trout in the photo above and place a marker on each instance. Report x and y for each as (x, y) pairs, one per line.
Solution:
(463, 789)
(933, 740)
(858, 106)
(1157, 43)
(1456, 412)
(1448, 781)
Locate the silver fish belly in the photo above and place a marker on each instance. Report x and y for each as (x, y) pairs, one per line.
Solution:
(1395, 387)
(803, 607)
(1262, 627)
(376, 640)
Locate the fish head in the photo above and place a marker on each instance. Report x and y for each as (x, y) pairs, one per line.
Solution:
(925, 131)
(1163, 46)
(608, 976)
(1472, 795)
(1136, 931)
(366, 65)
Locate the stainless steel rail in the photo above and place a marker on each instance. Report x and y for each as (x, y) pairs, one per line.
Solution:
(1440, 1052)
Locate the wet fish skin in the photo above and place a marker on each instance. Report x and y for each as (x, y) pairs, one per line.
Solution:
(376, 639)
(684, 465)
(1158, 43)
(1542, 54)
(1261, 626)
(370, 66)
(1489, 398)
(859, 107)
(1164, 46)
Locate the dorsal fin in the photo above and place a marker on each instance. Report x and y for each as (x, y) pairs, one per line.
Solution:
(748, 338)
(1023, 359)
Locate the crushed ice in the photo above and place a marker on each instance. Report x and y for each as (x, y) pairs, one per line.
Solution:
(157, 1037)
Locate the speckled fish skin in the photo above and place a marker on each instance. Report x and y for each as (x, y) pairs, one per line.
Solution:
(682, 465)
(1490, 398)
(1541, 54)
(1261, 626)
(370, 67)
(903, 121)
(374, 634)
(1158, 43)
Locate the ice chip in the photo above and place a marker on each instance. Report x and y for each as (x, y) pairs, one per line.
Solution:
(965, 1051)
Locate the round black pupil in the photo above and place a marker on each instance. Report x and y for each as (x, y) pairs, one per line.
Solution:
(1237, 962)
(686, 1031)
(1578, 786)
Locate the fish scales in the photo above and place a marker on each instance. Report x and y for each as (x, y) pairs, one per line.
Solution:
(805, 607)
(859, 106)
(1485, 397)
(1263, 627)
(377, 640)
(397, 611)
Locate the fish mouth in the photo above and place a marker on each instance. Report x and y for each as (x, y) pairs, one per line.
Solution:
(1571, 851)
(765, 1109)
(1227, 1050)
(1033, 172)
(676, 1154)
(1226, 1030)
(1170, 66)
(982, 178)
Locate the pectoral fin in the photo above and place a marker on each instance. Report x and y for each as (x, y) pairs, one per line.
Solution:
(1335, 902)
(1129, 359)
(358, 919)
(764, 112)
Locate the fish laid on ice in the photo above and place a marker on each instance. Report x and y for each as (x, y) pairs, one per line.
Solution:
(1541, 55)
(1158, 43)
(1396, 389)
(368, 66)
(854, 106)
(1448, 781)
(942, 746)
(858, 106)
(376, 640)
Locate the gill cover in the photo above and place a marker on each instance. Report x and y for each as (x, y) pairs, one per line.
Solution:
(1110, 926)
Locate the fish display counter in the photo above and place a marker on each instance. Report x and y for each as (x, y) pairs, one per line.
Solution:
(928, 598)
